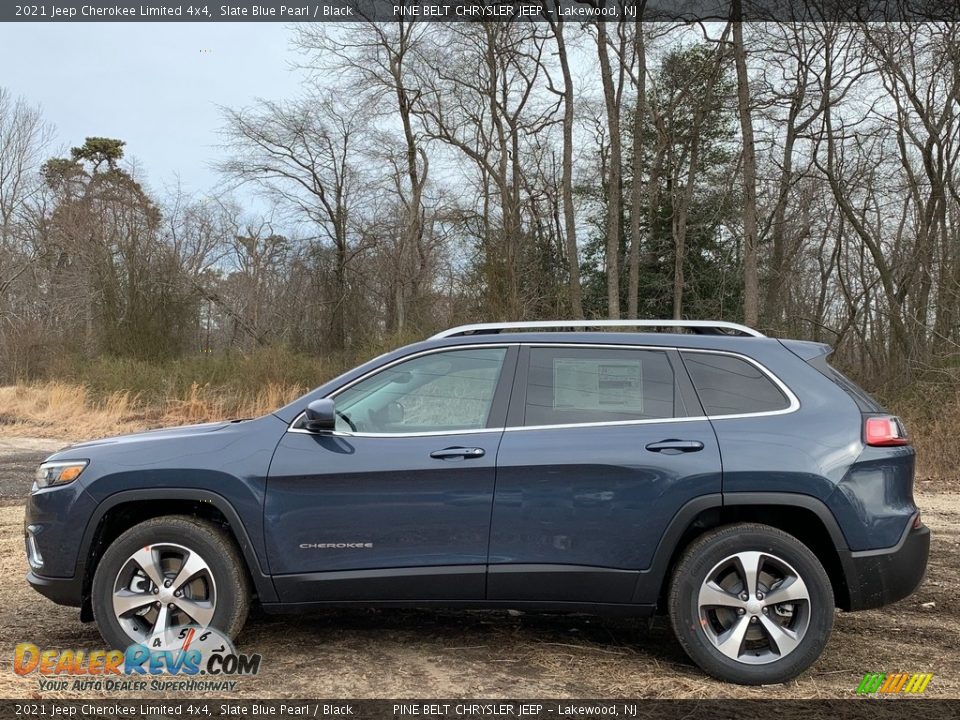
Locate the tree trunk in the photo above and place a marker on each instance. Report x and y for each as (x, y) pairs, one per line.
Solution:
(750, 283)
(636, 191)
(613, 176)
(772, 306)
(566, 182)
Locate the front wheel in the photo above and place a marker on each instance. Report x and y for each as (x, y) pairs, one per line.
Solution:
(167, 573)
(751, 604)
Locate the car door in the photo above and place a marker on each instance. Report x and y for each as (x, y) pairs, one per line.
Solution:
(604, 444)
(395, 503)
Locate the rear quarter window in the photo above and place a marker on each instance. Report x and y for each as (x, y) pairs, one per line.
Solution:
(728, 385)
(864, 400)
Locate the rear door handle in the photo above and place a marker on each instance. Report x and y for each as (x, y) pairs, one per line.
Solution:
(675, 447)
(457, 453)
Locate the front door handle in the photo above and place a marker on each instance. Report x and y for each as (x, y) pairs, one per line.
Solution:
(458, 453)
(675, 447)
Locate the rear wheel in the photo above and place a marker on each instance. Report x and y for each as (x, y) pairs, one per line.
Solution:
(167, 573)
(751, 604)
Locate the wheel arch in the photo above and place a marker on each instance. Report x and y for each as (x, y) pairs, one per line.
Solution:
(802, 516)
(121, 511)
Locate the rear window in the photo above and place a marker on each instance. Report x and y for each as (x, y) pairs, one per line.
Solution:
(729, 385)
(589, 385)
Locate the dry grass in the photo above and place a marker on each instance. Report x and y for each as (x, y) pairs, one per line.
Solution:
(81, 399)
(932, 421)
(73, 412)
(203, 404)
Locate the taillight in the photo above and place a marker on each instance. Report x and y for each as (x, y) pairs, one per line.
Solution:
(885, 431)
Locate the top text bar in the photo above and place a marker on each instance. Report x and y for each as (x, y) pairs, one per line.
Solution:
(477, 10)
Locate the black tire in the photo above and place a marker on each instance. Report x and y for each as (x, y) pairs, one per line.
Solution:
(709, 552)
(211, 542)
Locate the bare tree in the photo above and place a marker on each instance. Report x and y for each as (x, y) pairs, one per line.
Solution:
(751, 288)
(303, 154)
(641, 116)
(557, 27)
(24, 136)
(377, 58)
(611, 100)
(477, 97)
(694, 102)
(793, 104)
(848, 166)
(920, 70)
(432, 173)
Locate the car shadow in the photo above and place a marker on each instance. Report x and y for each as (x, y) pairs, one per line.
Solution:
(650, 640)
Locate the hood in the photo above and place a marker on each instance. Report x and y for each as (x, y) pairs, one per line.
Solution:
(159, 455)
(173, 433)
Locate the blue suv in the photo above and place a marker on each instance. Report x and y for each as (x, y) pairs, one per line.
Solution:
(736, 482)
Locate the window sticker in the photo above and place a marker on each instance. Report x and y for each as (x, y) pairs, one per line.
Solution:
(598, 384)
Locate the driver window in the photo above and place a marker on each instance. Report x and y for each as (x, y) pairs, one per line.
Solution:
(439, 392)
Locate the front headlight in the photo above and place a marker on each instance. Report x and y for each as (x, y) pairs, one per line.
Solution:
(58, 473)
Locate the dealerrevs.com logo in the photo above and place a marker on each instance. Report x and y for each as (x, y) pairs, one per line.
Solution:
(184, 652)
(894, 683)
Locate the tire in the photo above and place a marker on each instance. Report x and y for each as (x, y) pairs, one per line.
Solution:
(752, 642)
(215, 588)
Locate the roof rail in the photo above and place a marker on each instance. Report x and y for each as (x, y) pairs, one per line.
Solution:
(700, 327)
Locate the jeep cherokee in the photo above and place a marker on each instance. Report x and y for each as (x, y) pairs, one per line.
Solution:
(736, 482)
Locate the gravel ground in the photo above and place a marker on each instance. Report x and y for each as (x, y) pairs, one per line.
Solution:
(18, 461)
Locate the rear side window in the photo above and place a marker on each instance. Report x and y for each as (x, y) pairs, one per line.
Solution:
(729, 385)
(588, 385)
(864, 401)
(857, 394)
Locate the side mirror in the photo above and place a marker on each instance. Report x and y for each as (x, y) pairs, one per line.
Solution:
(320, 416)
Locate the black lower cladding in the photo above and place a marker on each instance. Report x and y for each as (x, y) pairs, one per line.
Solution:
(548, 587)
(63, 591)
(462, 582)
(878, 578)
(874, 579)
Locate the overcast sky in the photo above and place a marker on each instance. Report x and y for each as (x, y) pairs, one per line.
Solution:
(155, 85)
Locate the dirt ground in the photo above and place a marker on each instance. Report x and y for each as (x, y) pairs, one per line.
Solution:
(446, 654)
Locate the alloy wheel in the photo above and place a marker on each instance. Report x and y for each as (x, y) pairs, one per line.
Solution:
(754, 607)
(161, 587)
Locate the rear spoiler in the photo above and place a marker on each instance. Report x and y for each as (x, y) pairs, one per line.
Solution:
(807, 350)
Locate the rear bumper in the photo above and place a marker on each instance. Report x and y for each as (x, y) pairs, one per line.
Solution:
(63, 591)
(879, 577)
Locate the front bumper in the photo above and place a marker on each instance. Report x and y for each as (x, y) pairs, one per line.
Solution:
(879, 577)
(63, 591)
(54, 521)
